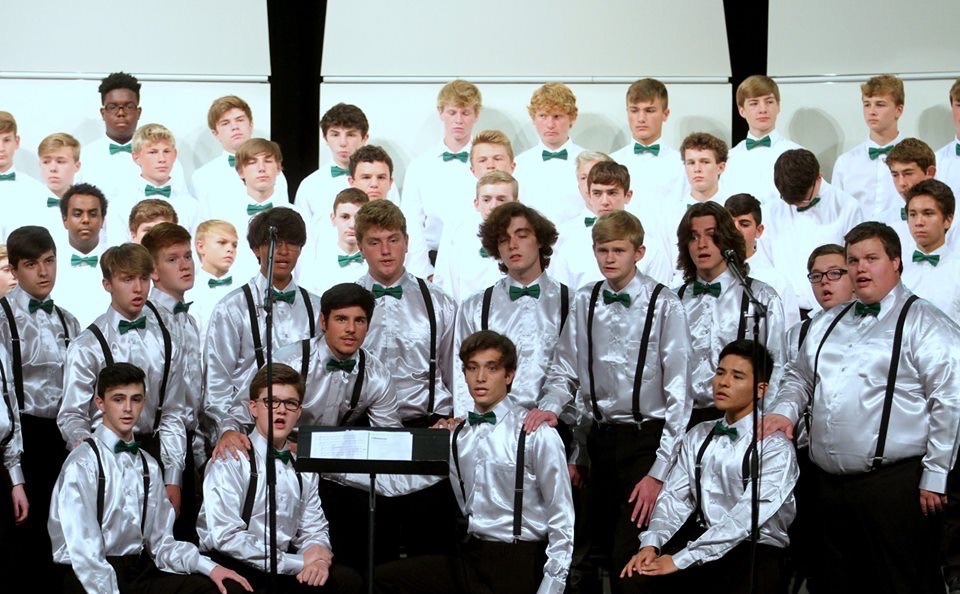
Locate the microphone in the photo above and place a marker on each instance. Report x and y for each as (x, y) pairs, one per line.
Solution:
(730, 256)
(272, 230)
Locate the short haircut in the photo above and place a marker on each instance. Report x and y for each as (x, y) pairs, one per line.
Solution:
(591, 157)
(609, 173)
(257, 146)
(151, 134)
(369, 153)
(3, 253)
(618, 225)
(761, 361)
(874, 230)
(492, 137)
(702, 141)
(647, 90)
(281, 375)
(289, 224)
(936, 189)
(85, 190)
(459, 93)
(826, 249)
(163, 236)
(149, 210)
(912, 150)
(552, 98)
(499, 177)
(350, 196)
(222, 105)
(495, 227)
(130, 258)
(57, 141)
(744, 204)
(884, 84)
(114, 375)
(215, 226)
(28, 243)
(955, 91)
(118, 80)
(379, 213)
(8, 124)
(757, 85)
(345, 295)
(725, 236)
(488, 339)
(794, 174)
(344, 115)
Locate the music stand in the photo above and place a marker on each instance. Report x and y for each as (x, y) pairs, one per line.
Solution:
(373, 451)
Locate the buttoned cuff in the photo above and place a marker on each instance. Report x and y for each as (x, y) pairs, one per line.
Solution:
(935, 481)
(290, 564)
(205, 565)
(659, 470)
(172, 476)
(16, 475)
(551, 585)
(785, 409)
(649, 539)
(684, 559)
(550, 405)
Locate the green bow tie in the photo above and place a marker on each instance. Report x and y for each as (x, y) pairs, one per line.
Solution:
(379, 291)
(484, 253)
(873, 153)
(518, 292)
(337, 171)
(487, 417)
(53, 202)
(120, 148)
(903, 214)
(752, 144)
(253, 209)
(919, 256)
(589, 221)
(709, 288)
(182, 307)
(12, 176)
(720, 429)
(957, 148)
(284, 456)
(76, 260)
(222, 282)
(133, 447)
(232, 161)
(813, 203)
(149, 190)
(461, 156)
(611, 297)
(125, 326)
(867, 310)
(346, 365)
(285, 296)
(547, 155)
(639, 149)
(46, 305)
(345, 261)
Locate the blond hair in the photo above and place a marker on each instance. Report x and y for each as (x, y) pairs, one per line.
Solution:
(57, 141)
(150, 134)
(757, 85)
(495, 137)
(213, 226)
(551, 98)
(7, 123)
(884, 84)
(618, 225)
(131, 258)
(497, 178)
(459, 93)
(647, 90)
(379, 213)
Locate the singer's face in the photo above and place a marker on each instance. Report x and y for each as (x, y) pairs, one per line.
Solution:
(284, 261)
(703, 250)
(733, 387)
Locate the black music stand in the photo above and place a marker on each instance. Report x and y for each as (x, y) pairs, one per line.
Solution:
(373, 451)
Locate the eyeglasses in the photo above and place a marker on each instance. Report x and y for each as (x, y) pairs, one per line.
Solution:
(290, 405)
(115, 107)
(833, 274)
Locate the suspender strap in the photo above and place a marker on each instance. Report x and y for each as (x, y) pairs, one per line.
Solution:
(16, 353)
(456, 459)
(698, 476)
(255, 326)
(98, 334)
(101, 481)
(891, 382)
(816, 357)
(564, 306)
(804, 328)
(590, 312)
(744, 305)
(146, 493)
(642, 358)
(682, 289)
(518, 485)
(251, 489)
(304, 358)
(485, 308)
(167, 356)
(4, 393)
(307, 303)
(357, 388)
(63, 322)
(432, 314)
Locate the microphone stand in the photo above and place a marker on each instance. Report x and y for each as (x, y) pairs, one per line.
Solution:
(271, 460)
(759, 313)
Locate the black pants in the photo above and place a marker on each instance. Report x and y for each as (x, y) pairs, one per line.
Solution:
(951, 529)
(137, 574)
(804, 553)
(479, 567)
(620, 455)
(342, 579)
(191, 496)
(873, 536)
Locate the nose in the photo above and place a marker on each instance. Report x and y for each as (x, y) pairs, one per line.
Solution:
(482, 375)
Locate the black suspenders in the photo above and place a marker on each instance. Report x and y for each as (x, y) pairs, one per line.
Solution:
(488, 296)
(804, 328)
(641, 358)
(17, 354)
(251, 494)
(167, 356)
(107, 355)
(518, 482)
(357, 389)
(101, 486)
(255, 326)
(698, 475)
(432, 315)
(13, 419)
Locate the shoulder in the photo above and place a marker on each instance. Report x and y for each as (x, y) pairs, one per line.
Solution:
(763, 289)
(374, 368)
(777, 445)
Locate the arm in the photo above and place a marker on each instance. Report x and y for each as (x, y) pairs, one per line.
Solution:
(81, 366)
(676, 500)
(775, 338)
(674, 363)
(547, 457)
(562, 381)
(379, 395)
(312, 540)
(935, 357)
(446, 356)
(221, 353)
(173, 425)
(468, 322)
(13, 450)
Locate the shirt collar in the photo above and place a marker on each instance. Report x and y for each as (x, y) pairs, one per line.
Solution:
(725, 278)
(511, 282)
(501, 410)
(773, 134)
(259, 442)
(165, 300)
(566, 147)
(872, 144)
(441, 147)
(324, 353)
(260, 282)
(106, 436)
(632, 288)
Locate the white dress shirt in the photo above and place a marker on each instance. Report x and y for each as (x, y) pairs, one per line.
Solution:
(10, 429)
(79, 286)
(132, 191)
(550, 186)
(948, 165)
(868, 180)
(217, 182)
(111, 172)
(751, 171)
(653, 178)
(206, 293)
(938, 283)
(317, 192)
(462, 268)
(25, 202)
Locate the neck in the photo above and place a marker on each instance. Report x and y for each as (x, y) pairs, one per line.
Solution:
(119, 139)
(884, 137)
(751, 250)
(732, 416)
(84, 247)
(58, 194)
(556, 145)
(704, 195)
(758, 134)
(387, 281)
(126, 436)
(38, 297)
(453, 144)
(648, 142)
(713, 273)
(618, 284)
(279, 282)
(217, 271)
(178, 295)
(279, 441)
(259, 196)
(481, 408)
(526, 277)
(348, 247)
(926, 249)
(7, 168)
(340, 355)
(156, 181)
(125, 313)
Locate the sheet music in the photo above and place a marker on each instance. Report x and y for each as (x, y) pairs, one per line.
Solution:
(362, 445)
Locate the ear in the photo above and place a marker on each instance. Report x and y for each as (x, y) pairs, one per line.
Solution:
(627, 196)
(762, 389)
(99, 402)
(323, 322)
(759, 230)
(638, 255)
(931, 171)
(252, 404)
(107, 286)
